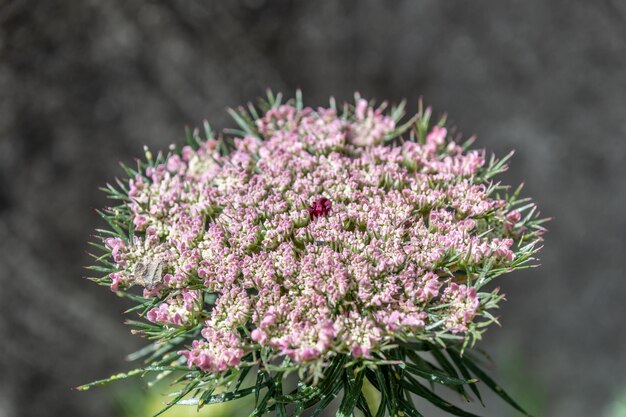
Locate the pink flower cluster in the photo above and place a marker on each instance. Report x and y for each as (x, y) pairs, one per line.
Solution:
(179, 310)
(219, 350)
(319, 236)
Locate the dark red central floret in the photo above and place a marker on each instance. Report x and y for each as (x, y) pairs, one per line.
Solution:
(320, 207)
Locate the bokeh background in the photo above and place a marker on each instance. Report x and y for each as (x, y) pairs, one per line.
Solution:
(86, 84)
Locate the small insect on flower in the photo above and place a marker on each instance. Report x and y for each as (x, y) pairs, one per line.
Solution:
(148, 274)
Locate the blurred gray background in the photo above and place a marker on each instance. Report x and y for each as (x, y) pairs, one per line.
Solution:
(86, 84)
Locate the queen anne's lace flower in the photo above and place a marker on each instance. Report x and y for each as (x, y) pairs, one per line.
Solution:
(320, 236)
(336, 244)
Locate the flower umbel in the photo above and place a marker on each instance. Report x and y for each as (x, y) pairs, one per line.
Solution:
(338, 245)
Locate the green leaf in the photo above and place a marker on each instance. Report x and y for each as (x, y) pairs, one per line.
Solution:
(179, 397)
(386, 381)
(363, 405)
(124, 375)
(247, 126)
(437, 377)
(328, 383)
(328, 398)
(227, 396)
(110, 379)
(116, 228)
(278, 387)
(409, 410)
(371, 377)
(418, 389)
(299, 101)
(381, 407)
(421, 362)
(261, 408)
(450, 370)
(463, 369)
(260, 376)
(241, 376)
(144, 351)
(352, 392)
(480, 374)
(298, 410)
(99, 268)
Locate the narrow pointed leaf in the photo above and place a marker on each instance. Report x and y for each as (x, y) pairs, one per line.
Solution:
(463, 369)
(418, 389)
(480, 374)
(409, 410)
(352, 392)
(437, 377)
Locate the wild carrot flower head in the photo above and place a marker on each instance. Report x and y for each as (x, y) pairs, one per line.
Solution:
(316, 234)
